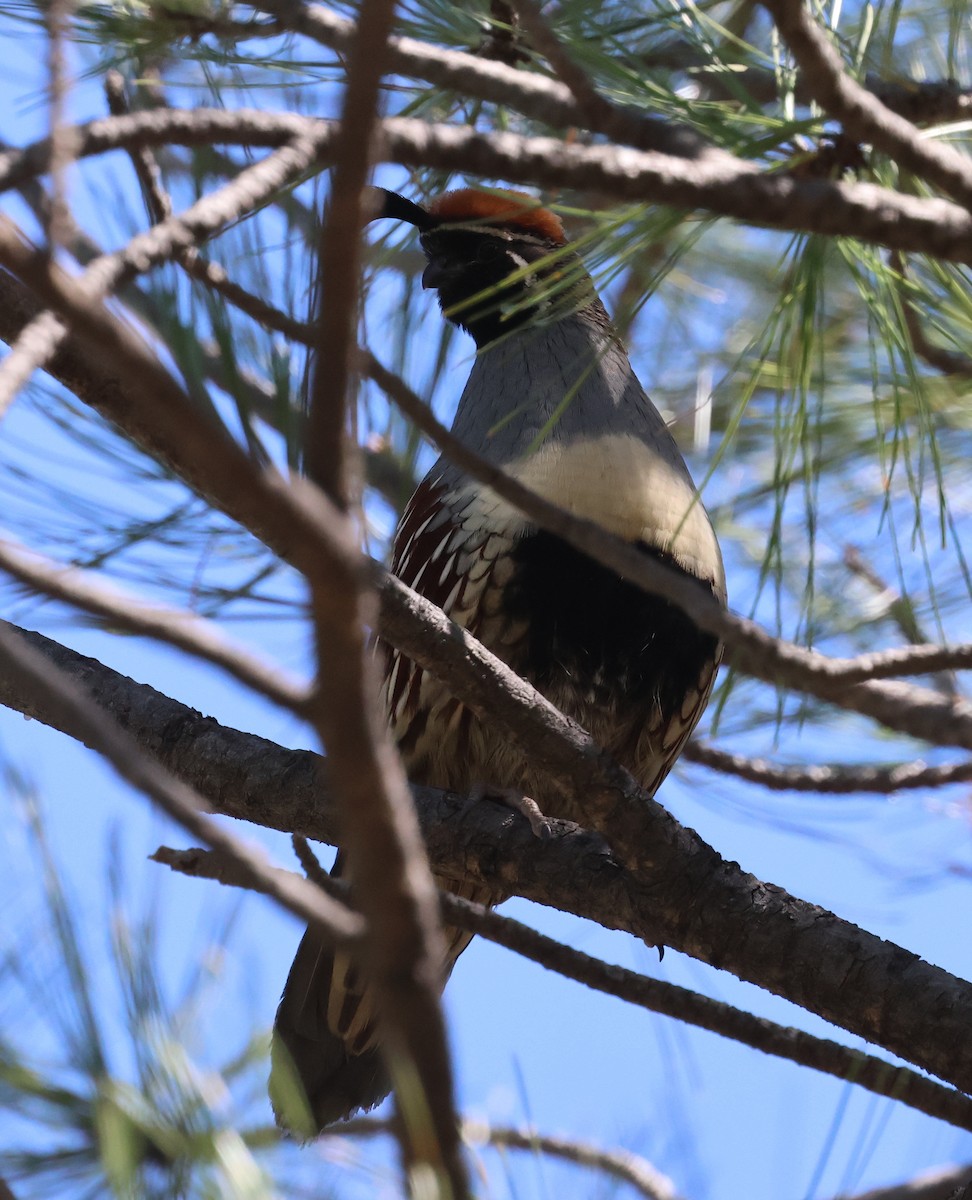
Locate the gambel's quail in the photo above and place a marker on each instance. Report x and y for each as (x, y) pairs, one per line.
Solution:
(553, 400)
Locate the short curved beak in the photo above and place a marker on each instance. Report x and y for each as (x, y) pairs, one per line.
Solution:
(435, 275)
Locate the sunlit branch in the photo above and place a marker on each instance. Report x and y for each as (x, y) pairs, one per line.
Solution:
(725, 187)
(859, 111)
(177, 627)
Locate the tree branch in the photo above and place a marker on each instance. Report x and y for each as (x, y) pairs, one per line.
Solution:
(820, 1054)
(405, 947)
(860, 112)
(726, 187)
(828, 780)
(692, 900)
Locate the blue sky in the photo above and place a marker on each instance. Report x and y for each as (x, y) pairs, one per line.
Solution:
(722, 1120)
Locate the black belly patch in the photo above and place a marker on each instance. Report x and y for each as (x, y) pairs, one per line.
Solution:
(608, 638)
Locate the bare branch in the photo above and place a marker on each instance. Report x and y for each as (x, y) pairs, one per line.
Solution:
(695, 902)
(188, 632)
(32, 672)
(339, 256)
(62, 135)
(861, 113)
(727, 188)
(829, 780)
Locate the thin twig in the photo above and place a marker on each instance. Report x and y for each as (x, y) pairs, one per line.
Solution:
(849, 684)
(594, 111)
(618, 1164)
(901, 612)
(76, 713)
(859, 111)
(828, 780)
(157, 199)
(176, 627)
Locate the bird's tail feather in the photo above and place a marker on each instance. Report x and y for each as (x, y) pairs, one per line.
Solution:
(326, 1063)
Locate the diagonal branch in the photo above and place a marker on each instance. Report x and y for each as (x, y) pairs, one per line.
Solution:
(725, 187)
(820, 1054)
(861, 113)
(693, 901)
(49, 687)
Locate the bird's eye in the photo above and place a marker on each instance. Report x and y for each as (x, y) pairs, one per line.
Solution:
(489, 251)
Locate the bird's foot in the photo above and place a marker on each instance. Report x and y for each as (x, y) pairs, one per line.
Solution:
(526, 806)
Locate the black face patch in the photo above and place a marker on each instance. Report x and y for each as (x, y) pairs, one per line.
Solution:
(468, 262)
(608, 639)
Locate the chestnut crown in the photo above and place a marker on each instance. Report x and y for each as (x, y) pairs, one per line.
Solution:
(492, 257)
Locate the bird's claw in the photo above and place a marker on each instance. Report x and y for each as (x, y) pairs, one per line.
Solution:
(526, 806)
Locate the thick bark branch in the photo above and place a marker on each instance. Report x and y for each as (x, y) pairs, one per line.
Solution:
(686, 895)
(821, 1054)
(724, 186)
